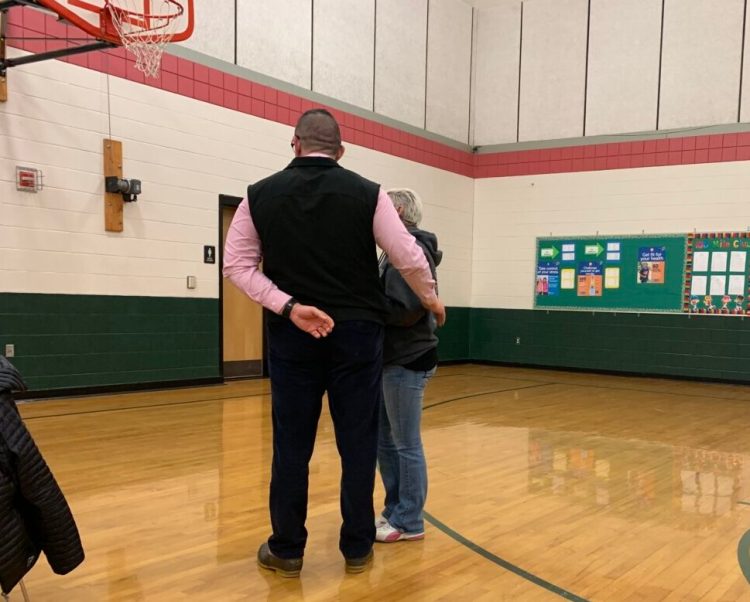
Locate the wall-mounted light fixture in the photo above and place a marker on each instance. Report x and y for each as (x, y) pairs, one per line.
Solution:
(130, 189)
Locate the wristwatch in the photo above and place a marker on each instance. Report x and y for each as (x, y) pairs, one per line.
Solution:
(287, 310)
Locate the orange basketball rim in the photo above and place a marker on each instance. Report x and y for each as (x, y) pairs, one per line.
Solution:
(139, 18)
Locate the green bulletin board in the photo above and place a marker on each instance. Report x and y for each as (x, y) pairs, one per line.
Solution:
(629, 273)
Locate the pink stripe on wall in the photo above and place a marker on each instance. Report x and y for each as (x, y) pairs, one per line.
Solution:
(194, 80)
(688, 150)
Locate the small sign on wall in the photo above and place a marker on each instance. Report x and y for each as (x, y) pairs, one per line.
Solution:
(28, 179)
(209, 254)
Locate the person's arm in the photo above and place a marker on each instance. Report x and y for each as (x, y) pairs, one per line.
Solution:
(242, 257)
(404, 307)
(406, 255)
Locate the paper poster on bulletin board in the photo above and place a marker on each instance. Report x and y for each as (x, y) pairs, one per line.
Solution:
(717, 273)
(628, 273)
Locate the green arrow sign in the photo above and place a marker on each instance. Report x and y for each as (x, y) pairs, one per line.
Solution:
(550, 252)
(593, 249)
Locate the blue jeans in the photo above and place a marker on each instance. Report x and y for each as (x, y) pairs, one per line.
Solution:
(400, 453)
(348, 364)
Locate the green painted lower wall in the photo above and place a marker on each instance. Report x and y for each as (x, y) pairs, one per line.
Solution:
(86, 341)
(454, 336)
(715, 347)
(72, 341)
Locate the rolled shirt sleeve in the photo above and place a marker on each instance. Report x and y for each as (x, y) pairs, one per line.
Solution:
(242, 256)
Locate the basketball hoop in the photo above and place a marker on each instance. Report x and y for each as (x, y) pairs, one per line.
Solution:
(144, 27)
(145, 34)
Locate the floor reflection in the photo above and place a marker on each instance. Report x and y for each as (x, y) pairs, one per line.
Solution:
(122, 581)
(693, 487)
(243, 482)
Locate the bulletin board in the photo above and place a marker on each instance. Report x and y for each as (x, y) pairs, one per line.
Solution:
(629, 273)
(717, 273)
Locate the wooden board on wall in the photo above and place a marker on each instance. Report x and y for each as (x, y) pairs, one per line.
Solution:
(113, 201)
(3, 78)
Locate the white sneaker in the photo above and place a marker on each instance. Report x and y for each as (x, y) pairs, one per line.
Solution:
(380, 520)
(389, 534)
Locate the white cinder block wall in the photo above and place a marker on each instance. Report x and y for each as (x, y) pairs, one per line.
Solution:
(511, 212)
(186, 153)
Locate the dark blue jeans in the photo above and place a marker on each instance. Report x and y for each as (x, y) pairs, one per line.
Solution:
(349, 365)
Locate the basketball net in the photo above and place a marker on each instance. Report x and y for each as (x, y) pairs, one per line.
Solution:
(145, 34)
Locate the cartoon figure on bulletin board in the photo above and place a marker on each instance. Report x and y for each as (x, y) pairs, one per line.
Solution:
(725, 301)
(738, 304)
(708, 304)
(694, 305)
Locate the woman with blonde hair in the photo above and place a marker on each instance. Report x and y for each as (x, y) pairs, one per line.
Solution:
(409, 361)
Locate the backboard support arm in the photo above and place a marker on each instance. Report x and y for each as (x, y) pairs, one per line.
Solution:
(6, 63)
(6, 4)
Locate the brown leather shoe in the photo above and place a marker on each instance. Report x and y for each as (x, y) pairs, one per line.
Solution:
(358, 565)
(285, 567)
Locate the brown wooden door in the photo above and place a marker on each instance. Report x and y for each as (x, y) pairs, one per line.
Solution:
(242, 324)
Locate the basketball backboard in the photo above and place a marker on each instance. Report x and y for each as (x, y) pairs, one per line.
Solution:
(95, 16)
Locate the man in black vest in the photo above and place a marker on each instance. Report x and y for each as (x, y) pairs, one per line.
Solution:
(315, 226)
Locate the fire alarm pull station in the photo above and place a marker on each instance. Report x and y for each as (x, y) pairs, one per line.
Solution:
(28, 179)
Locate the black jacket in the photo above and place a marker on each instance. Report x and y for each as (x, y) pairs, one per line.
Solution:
(315, 222)
(410, 328)
(34, 516)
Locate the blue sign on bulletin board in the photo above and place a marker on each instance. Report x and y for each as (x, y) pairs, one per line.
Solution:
(548, 278)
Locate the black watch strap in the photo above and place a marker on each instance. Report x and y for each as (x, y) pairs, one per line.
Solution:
(287, 310)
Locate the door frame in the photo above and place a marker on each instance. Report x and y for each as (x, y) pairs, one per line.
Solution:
(231, 201)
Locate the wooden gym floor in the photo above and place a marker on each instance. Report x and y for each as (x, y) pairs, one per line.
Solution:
(544, 485)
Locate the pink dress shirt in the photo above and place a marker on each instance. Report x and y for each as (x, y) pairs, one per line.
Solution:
(243, 254)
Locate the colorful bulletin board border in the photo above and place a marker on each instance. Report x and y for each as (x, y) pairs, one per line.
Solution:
(612, 272)
(717, 273)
